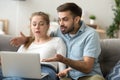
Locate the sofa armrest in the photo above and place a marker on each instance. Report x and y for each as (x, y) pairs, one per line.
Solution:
(5, 43)
(110, 54)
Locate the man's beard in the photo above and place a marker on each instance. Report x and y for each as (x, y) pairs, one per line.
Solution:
(66, 31)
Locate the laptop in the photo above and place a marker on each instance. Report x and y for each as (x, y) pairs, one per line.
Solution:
(26, 65)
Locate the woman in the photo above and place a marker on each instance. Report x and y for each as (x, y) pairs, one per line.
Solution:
(45, 45)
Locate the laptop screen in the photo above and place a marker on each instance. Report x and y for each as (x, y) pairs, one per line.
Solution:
(25, 65)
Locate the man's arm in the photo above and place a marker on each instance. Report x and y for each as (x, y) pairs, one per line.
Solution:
(84, 66)
(17, 41)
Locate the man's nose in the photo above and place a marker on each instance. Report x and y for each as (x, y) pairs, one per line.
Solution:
(61, 22)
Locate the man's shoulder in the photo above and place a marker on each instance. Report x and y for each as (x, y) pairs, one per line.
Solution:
(56, 33)
(85, 28)
(90, 30)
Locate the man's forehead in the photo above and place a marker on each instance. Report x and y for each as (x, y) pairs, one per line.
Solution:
(64, 14)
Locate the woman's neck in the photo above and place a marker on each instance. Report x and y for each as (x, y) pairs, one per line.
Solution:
(41, 40)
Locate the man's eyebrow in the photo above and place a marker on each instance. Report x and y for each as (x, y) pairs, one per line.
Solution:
(63, 17)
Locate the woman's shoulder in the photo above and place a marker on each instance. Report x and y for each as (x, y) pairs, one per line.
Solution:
(57, 38)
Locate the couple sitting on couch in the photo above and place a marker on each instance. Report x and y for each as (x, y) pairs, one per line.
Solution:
(83, 46)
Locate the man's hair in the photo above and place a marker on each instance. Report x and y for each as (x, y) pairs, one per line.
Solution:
(75, 9)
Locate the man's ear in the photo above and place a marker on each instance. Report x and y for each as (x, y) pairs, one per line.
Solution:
(77, 19)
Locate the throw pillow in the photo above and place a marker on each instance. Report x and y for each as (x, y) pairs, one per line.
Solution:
(115, 72)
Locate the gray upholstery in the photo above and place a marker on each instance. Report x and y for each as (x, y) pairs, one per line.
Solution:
(110, 52)
(5, 43)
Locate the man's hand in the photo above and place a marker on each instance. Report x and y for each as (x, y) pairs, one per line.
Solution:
(63, 73)
(56, 58)
(17, 41)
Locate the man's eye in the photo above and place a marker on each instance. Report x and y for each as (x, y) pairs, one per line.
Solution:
(65, 19)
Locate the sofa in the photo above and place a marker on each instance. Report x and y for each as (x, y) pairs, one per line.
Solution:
(5, 45)
(110, 52)
(110, 55)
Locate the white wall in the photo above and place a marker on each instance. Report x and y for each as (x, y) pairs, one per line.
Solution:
(8, 11)
(18, 12)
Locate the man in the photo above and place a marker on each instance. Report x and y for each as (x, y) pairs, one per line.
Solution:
(83, 46)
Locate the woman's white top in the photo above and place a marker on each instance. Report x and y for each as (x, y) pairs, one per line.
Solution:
(47, 50)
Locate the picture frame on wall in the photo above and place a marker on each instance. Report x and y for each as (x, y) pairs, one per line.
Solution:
(3, 26)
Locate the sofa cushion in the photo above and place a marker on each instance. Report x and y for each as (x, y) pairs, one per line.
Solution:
(110, 54)
(5, 43)
(115, 72)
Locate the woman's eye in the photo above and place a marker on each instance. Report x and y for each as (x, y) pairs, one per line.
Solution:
(41, 24)
(34, 24)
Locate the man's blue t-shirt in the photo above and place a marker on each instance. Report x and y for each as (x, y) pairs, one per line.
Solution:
(84, 43)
